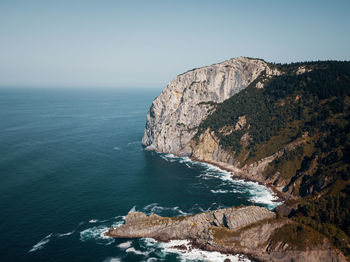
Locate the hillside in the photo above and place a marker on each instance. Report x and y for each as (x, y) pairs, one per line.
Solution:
(308, 102)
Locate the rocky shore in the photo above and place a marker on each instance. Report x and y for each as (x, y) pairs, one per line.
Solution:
(177, 123)
(253, 231)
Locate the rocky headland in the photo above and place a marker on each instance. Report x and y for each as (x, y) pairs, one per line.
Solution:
(253, 231)
(261, 122)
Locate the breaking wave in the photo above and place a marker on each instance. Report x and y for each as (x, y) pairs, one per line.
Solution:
(194, 254)
(151, 250)
(255, 192)
(97, 234)
(65, 234)
(157, 209)
(41, 243)
(125, 245)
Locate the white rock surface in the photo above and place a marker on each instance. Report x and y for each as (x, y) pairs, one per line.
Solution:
(180, 108)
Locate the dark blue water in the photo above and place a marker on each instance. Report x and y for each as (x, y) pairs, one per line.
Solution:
(72, 164)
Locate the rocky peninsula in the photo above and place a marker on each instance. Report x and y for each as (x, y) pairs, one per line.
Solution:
(253, 231)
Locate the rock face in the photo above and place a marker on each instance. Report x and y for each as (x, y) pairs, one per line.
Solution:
(189, 98)
(247, 230)
(138, 224)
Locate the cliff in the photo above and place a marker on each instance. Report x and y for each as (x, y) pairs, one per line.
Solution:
(286, 126)
(176, 113)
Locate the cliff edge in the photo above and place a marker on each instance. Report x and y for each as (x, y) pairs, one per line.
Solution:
(176, 113)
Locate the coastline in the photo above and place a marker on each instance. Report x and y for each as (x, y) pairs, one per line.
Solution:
(240, 174)
(193, 229)
(236, 173)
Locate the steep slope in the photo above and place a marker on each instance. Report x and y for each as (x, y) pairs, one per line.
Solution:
(190, 97)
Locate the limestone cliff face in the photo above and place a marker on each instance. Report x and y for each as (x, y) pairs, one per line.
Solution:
(189, 98)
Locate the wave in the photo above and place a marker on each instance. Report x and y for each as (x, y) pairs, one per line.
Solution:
(117, 148)
(264, 196)
(157, 209)
(117, 224)
(214, 206)
(195, 254)
(97, 234)
(173, 158)
(112, 259)
(257, 193)
(138, 252)
(65, 234)
(160, 251)
(219, 191)
(125, 245)
(93, 221)
(41, 243)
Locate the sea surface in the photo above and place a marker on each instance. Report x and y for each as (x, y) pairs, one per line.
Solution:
(72, 165)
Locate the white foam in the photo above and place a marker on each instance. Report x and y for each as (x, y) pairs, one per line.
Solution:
(137, 252)
(117, 224)
(93, 221)
(149, 241)
(112, 259)
(180, 211)
(41, 243)
(157, 209)
(117, 148)
(264, 196)
(172, 158)
(259, 193)
(65, 234)
(97, 234)
(219, 191)
(125, 245)
(197, 254)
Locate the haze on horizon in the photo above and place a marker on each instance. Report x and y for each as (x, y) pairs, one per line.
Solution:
(147, 43)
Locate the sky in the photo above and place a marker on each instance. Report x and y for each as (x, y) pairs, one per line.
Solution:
(147, 43)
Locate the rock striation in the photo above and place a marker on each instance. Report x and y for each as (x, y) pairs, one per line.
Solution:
(174, 115)
(138, 224)
(249, 230)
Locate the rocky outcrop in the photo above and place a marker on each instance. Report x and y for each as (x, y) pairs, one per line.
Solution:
(138, 224)
(208, 149)
(249, 230)
(174, 115)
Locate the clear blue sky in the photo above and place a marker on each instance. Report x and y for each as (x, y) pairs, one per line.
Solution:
(147, 43)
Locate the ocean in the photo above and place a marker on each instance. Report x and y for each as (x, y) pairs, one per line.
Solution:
(72, 164)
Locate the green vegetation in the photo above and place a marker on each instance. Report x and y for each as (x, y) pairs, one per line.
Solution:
(329, 215)
(295, 236)
(313, 108)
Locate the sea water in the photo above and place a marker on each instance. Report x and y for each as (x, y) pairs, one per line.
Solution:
(72, 165)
